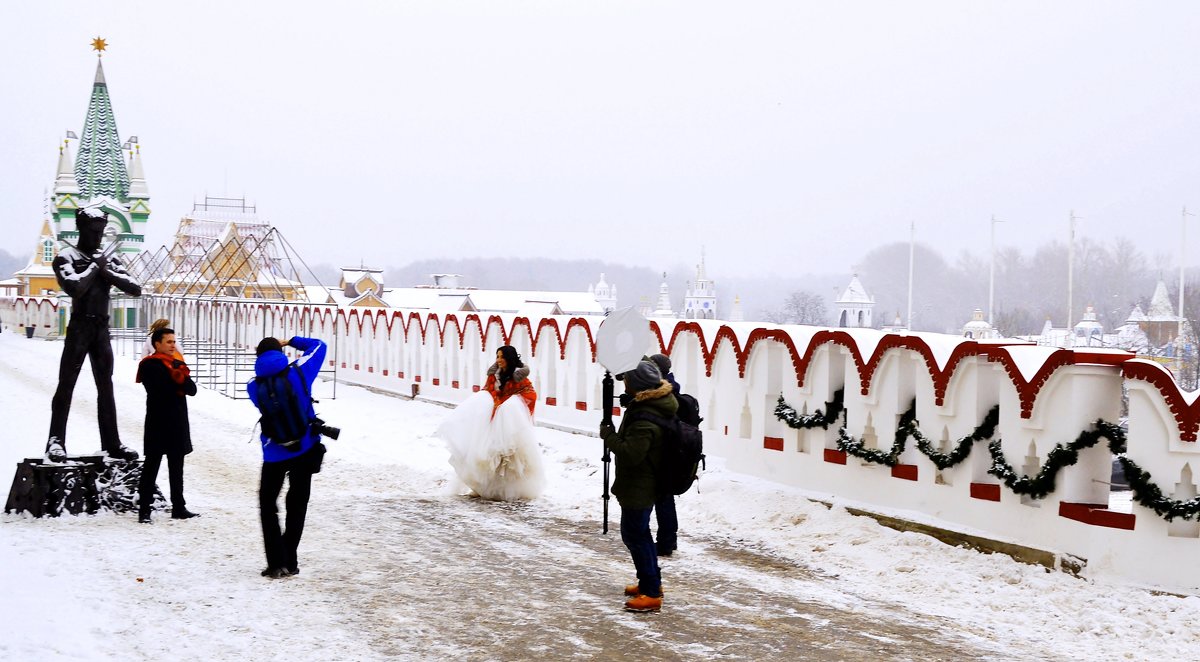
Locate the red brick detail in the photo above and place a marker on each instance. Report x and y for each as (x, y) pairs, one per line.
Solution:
(356, 366)
(905, 471)
(417, 378)
(581, 406)
(385, 372)
(834, 456)
(475, 388)
(1096, 515)
(370, 368)
(773, 443)
(400, 374)
(436, 381)
(985, 491)
(616, 411)
(726, 430)
(454, 384)
(343, 364)
(551, 400)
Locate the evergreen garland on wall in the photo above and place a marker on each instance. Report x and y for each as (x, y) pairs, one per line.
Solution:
(1145, 492)
(1151, 496)
(962, 447)
(889, 458)
(817, 419)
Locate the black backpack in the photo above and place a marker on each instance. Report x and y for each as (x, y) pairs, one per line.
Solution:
(284, 417)
(689, 409)
(682, 452)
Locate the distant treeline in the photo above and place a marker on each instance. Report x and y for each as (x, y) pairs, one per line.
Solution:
(1031, 287)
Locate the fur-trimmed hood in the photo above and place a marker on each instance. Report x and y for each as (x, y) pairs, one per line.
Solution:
(664, 388)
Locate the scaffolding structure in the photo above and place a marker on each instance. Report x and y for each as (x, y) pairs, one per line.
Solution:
(223, 267)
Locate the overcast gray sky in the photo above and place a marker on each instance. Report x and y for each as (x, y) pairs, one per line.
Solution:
(785, 136)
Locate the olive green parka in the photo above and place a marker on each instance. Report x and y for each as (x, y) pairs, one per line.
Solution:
(637, 445)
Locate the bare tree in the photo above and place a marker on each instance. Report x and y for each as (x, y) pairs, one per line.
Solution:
(1017, 322)
(800, 307)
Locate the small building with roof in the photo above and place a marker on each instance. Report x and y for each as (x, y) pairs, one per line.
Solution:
(854, 307)
(978, 328)
(605, 294)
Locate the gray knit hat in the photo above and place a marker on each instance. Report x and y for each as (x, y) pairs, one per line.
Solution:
(663, 362)
(644, 377)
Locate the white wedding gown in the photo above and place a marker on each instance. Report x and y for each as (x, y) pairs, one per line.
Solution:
(497, 457)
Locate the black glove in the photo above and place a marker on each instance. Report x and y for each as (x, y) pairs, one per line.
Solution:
(625, 399)
(494, 369)
(607, 430)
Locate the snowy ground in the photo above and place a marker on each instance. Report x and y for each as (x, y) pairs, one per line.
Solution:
(396, 563)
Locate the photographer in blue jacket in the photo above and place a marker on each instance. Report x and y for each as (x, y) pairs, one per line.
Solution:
(298, 458)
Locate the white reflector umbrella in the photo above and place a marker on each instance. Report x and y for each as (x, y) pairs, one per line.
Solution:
(623, 339)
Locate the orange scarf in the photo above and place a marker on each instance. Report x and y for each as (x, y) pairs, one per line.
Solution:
(176, 368)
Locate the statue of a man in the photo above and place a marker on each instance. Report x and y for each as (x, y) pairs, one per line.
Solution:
(86, 273)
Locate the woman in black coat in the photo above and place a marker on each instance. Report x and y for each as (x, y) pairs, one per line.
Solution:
(168, 382)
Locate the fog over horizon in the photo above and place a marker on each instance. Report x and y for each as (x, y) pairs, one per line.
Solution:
(782, 138)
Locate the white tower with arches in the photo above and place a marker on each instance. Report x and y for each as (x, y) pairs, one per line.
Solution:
(701, 299)
(854, 306)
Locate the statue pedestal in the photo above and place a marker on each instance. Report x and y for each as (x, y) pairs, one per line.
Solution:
(82, 484)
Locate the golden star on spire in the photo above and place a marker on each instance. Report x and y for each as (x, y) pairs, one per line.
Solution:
(98, 44)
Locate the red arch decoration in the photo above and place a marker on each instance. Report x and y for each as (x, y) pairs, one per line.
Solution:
(1187, 416)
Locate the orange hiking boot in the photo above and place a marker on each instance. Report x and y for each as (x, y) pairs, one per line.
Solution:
(642, 603)
(632, 590)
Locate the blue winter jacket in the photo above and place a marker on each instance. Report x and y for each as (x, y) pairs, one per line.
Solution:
(309, 364)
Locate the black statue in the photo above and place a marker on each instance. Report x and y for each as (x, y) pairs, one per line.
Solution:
(86, 273)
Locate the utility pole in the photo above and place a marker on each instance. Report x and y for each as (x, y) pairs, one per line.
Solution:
(992, 278)
(1182, 261)
(1070, 277)
(912, 240)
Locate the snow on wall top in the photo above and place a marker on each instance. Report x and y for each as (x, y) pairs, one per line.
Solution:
(1027, 366)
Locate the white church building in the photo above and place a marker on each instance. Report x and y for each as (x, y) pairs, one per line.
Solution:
(854, 307)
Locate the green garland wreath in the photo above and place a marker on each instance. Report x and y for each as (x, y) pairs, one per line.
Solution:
(962, 447)
(817, 419)
(907, 429)
(889, 458)
(1145, 492)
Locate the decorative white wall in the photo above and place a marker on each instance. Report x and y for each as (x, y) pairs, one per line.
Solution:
(738, 372)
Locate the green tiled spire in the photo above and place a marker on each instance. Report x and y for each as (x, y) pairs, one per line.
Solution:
(99, 168)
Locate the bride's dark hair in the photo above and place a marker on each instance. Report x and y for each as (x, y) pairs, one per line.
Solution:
(512, 361)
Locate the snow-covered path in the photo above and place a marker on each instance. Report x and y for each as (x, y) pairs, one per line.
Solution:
(397, 564)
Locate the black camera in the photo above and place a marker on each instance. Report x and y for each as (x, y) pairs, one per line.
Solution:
(325, 430)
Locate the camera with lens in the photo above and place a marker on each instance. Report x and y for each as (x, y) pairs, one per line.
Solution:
(325, 430)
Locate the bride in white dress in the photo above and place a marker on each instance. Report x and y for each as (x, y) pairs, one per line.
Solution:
(491, 438)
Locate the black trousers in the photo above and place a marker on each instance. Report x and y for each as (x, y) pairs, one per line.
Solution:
(281, 545)
(86, 337)
(149, 480)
